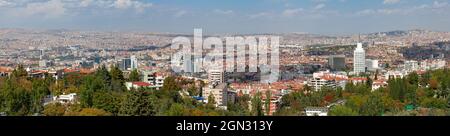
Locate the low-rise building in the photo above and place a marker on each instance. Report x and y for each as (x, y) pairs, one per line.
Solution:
(411, 65)
(5, 71)
(316, 111)
(66, 99)
(372, 65)
(378, 84)
(137, 85)
(432, 64)
(218, 91)
(395, 74)
(327, 79)
(154, 78)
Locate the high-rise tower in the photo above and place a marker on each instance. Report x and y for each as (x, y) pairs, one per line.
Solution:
(359, 59)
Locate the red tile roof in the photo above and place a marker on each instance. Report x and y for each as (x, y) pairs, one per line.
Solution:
(6, 69)
(142, 84)
(66, 70)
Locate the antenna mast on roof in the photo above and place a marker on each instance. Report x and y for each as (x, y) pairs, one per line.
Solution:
(359, 38)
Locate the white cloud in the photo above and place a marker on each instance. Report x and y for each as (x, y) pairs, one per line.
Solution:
(86, 3)
(292, 12)
(180, 13)
(48, 9)
(260, 15)
(5, 3)
(437, 4)
(225, 12)
(366, 12)
(391, 11)
(126, 4)
(435, 7)
(391, 1)
(319, 6)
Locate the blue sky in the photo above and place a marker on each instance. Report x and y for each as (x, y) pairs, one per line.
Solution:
(228, 16)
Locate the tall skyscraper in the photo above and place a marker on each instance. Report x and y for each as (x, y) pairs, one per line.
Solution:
(134, 62)
(359, 59)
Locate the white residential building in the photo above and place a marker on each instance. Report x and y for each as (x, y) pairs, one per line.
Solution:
(325, 78)
(411, 65)
(154, 78)
(395, 74)
(137, 85)
(359, 59)
(218, 91)
(215, 76)
(372, 65)
(316, 111)
(432, 64)
(378, 84)
(66, 99)
(134, 62)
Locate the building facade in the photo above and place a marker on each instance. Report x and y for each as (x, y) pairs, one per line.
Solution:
(359, 59)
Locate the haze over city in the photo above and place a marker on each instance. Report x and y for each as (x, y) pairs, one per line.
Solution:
(250, 16)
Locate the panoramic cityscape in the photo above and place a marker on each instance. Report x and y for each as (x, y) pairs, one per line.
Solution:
(74, 69)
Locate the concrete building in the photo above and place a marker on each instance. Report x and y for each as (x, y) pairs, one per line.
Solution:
(316, 111)
(154, 78)
(125, 64)
(274, 101)
(66, 99)
(372, 65)
(411, 65)
(56, 74)
(215, 76)
(359, 59)
(133, 63)
(42, 63)
(432, 64)
(137, 85)
(327, 79)
(337, 62)
(378, 84)
(395, 74)
(218, 91)
(5, 71)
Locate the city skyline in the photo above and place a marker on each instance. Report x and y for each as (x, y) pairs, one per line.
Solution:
(267, 16)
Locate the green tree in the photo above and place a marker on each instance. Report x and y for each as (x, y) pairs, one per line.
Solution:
(373, 106)
(55, 109)
(341, 110)
(369, 81)
(134, 76)
(93, 112)
(176, 109)
(19, 72)
(257, 105)
(413, 79)
(40, 89)
(170, 89)
(376, 74)
(267, 103)
(108, 101)
(118, 81)
(138, 103)
(104, 78)
(211, 101)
